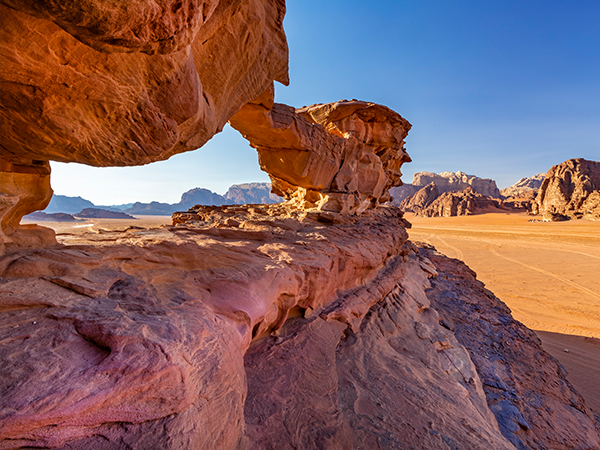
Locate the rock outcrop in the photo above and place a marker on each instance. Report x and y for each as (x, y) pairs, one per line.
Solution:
(40, 216)
(97, 213)
(340, 157)
(104, 84)
(570, 190)
(67, 205)
(421, 199)
(524, 187)
(251, 193)
(446, 182)
(462, 203)
(264, 326)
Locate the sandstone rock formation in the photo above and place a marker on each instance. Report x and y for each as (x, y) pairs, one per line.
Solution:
(462, 203)
(106, 84)
(339, 157)
(446, 182)
(251, 193)
(421, 199)
(524, 187)
(268, 327)
(570, 190)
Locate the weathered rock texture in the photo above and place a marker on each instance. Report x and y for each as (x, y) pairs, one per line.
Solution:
(570, 190)
(524, 187)
(339, 157)
(446, 182)
(251, 193)
(267, 327)
(462, 203)
(106, 84)
(421, 199)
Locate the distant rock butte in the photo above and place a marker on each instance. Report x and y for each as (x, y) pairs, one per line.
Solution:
(251, 193)
(95, 213)
(570, 190)
(40, 216)
(446, 182)
(421, 199)
(462, 203)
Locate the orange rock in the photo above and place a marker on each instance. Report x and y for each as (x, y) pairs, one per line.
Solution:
(24, 188)
(570, 190)
(339, 157)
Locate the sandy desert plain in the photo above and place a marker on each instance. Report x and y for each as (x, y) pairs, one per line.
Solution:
(546, 272)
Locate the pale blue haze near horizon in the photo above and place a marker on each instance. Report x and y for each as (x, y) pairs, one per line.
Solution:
(497, 89)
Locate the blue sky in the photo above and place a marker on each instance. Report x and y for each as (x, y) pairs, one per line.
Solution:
(498, 89)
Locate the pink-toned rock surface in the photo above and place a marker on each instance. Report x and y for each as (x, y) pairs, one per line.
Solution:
(266, 327)
(570, 190)
(524, 187)
(340, 157)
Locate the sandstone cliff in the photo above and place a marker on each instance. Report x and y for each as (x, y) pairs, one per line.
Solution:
(268, 327)
(570, 190)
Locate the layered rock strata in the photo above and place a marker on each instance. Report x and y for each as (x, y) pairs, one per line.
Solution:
(570, 190)
(258, 327)
(106, 84)
(340, 157)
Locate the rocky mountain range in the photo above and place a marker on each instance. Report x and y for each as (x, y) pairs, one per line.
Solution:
(238, 194)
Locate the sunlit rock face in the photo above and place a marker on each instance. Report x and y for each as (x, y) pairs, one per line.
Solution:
(340, 157)
(119, 84)
(570, 190)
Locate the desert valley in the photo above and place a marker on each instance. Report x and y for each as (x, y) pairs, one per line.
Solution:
(335, 307)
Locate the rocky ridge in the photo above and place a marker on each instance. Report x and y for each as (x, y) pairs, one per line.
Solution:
(525, 187)
(462, 203)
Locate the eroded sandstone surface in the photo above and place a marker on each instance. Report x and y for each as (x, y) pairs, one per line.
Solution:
(341, 157)
(462, 203)
(570, 190)
(105, 84)
(268, 327)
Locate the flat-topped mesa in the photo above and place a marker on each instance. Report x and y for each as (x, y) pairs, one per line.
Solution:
(341, 157)
(126, 85)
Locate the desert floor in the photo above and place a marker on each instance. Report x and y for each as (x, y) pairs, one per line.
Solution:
(548, 273)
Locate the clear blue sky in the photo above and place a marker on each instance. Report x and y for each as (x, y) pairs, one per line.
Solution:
(498, 89)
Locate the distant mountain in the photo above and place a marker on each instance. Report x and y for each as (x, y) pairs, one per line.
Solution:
(524, 186)
(68, 205)
(96, 213)
(249, 193)
(238, 194)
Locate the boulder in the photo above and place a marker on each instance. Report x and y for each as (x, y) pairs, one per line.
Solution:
(570, 189)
